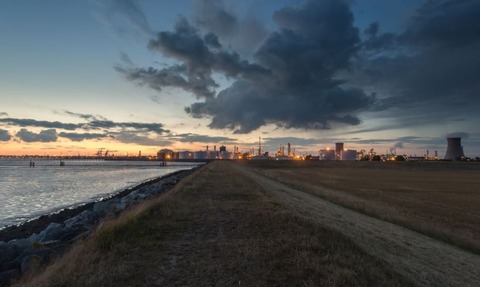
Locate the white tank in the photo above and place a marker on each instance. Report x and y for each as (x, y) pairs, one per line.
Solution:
(200, 155)
(327, 154)
(185, 155)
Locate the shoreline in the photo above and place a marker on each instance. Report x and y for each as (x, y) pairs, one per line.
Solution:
(35, 243)
(36, 225)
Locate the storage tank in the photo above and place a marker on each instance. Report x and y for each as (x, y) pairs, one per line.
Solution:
(185, 155)
(327, 154)
(349, 154)
(200, 155)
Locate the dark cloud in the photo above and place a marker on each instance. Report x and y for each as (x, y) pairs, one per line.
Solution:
(243, 32)
(191, 138)
(93, 122)
(81, 136)
(42, 124)
(49, 135)
(200, 57)
(173, 76)
(293, 83)
(431, 72)
(314, 70)
(2, 114)
(445, 23)
(315, 41)
(4, 136)
(212, 16)
(376, 41)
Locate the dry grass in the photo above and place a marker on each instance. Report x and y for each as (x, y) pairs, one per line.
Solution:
(216, 228)
(440, 199)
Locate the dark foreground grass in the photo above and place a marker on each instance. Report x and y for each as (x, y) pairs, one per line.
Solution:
(215, 228)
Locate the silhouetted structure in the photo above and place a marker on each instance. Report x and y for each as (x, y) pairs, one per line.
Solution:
(338, 151)
(454, 149)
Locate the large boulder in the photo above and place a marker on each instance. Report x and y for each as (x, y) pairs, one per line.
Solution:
(52, 232)
(7, 276)
(8, 252)
(84, 220)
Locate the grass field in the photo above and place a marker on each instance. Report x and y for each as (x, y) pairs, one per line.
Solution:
(440, 199)
(216, 228)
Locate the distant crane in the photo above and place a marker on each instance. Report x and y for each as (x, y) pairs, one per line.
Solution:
(100, 152)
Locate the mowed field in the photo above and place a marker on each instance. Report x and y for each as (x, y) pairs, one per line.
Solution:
(439, 199)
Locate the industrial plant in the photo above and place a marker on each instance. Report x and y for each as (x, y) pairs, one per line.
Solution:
(286, 152)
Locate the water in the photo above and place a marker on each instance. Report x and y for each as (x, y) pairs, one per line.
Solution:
(26, 193)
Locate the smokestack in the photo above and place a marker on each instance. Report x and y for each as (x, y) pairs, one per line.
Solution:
(259, 145)
(338, 151)
(454, 149)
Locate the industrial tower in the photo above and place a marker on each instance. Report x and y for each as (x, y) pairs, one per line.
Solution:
(454, 149)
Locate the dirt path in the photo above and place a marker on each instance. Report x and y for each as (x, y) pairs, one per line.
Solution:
(422, 259)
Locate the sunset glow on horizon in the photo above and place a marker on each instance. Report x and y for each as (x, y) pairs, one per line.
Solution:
(132, 76)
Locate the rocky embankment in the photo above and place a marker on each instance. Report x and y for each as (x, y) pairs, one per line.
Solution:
(26, 247)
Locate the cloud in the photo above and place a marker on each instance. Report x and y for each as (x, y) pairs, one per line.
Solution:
(431, 71)
(93, 122)
(3, 114)
(4, 136)
(457, 135)
(292, 83)
(149, 127)
(49, 135)
(446, 23)
(87, 117)
(243, 32)
(113, 13)
(212, 16)
(81, 136)
(140, 139)
(191, 138)
(200, 57)
(43, 124)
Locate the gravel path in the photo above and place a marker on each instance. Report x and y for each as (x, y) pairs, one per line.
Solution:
(425, 261)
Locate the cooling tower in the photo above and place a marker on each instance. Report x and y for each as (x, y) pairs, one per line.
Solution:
(454, 149)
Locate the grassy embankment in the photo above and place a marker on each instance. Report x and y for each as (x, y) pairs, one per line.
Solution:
(215, 228)
(439, 199)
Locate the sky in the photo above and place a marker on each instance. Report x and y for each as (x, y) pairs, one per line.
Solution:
(133, 75)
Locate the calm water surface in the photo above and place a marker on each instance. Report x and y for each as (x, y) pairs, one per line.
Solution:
(26, 193)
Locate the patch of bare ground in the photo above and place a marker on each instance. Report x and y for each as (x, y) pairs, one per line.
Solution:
(217, 228)
(422, 259)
